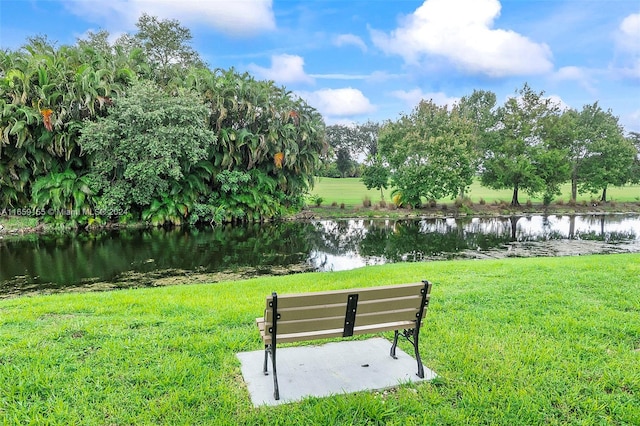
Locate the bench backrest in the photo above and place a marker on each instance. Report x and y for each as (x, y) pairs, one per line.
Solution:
(319, 315)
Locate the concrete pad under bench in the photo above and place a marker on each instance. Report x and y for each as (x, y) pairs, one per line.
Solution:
(333, 368)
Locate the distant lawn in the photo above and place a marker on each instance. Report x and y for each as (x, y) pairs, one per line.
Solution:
(351, 192)
(536, 341)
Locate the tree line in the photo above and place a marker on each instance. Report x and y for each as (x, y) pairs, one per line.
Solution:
(528, 144)
(142, 129)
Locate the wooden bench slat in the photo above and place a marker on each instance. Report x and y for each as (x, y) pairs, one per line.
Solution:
(340, 296)
(316, 324)
(400, 315)
(319, 311)
(303, 326)
(326, 334)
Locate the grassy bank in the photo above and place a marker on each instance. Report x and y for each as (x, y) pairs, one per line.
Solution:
(10, 224)
(515, 341)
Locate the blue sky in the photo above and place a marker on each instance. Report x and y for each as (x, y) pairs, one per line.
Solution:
(359, 60)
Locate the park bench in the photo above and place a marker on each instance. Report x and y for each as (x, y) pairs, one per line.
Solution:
(343, 313)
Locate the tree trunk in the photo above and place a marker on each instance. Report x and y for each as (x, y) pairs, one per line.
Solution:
(381, 194)
(574, 186)
(514, 199)
(604, 195)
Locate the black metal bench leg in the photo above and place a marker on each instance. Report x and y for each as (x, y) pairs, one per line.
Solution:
(276, 390)
(416, 333)
(270, 349)
(273, 330)
(394, 346)
(266, 355)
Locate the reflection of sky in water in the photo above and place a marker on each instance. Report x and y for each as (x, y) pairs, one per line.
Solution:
(343, 262)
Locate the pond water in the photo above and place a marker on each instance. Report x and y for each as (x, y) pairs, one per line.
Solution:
(153, 257)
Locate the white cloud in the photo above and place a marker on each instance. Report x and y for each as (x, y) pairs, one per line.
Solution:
(569, 73)
(461, 31)
(414, 96)
(338, 102)
(284, 69)
(577, 74)
(628, 36)
(350, 39)
(235, 18)
(628, 43)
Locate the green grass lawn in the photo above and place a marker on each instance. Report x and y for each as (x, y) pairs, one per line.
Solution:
(515, 342)
(351, 192)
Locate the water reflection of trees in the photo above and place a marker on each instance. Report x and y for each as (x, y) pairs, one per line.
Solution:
(600, 228)
(413, 240)
(71, 259)
(588, 227)
(408, 240)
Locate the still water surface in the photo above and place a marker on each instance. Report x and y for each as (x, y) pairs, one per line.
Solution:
(133, 258)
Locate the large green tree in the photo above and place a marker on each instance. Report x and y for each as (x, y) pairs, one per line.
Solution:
(345, 165)
(365, 144)
(634, 138)
(149, 140)
(427, 152)
(480, 109)
(517, 155)
(376, 175)
(352, 145)
(597, 152)
(341, 139)
(608, 156)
